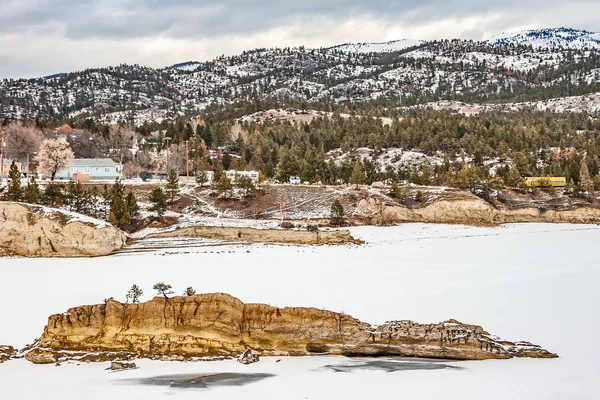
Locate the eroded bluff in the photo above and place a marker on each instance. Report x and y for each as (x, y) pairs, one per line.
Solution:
(35, 231)
(221, 326)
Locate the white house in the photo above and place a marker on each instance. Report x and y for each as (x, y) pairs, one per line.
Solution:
(295, 180)
(97, 168)
(233, 174)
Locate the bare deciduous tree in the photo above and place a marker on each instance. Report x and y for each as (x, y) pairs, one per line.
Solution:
(86, 144)
(21, 141)
(54, 155)
(119, 142)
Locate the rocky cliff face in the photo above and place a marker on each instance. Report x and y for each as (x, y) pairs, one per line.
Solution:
(34, 231)
(221, 326)
(474, 211)
(6, 352)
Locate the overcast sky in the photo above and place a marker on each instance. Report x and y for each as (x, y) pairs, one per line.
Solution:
(42, 37)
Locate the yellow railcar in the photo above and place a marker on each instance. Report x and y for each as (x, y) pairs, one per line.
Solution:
(538, 181)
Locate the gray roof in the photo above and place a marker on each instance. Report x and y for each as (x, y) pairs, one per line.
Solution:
(93, 162)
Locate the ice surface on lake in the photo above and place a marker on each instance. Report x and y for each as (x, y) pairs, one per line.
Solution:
(534, 282)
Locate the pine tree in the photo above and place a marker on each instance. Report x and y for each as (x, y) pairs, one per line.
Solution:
(224, 186)
(358, 175)
(132, 205)
(134, 294)
(514, 178)
(31, 194)
(586, 184)
(159, 201)
(163, 289)
(201, 177)
(53, 195)
(172, 186)
(246, 186)
(119, 211)
(337, 216)
(14, 191)
(76, 197)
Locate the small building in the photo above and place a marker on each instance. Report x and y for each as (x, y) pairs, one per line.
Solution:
(96, 168)
(295, 180)
(233, 174)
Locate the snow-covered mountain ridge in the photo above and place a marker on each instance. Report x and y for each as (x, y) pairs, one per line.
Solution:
(405, 71)
(559, 38)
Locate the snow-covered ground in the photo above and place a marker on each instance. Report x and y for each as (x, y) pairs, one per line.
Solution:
(535, 282)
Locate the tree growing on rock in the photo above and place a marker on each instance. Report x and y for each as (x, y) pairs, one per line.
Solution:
(134, 294)
(172, 186)
(54, 155)
(14, 191)
(337, 215)
(163, 289)
(159, 201)
(189, 291)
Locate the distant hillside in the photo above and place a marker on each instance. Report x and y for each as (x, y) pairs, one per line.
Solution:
(399, 73)
(560, 38)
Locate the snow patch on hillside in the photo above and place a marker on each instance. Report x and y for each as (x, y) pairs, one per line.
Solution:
(385, 47)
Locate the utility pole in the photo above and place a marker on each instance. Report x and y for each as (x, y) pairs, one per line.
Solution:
(167, 139)
(187, 162)
(3, 144)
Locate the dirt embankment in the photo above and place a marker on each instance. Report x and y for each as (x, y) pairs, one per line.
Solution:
(219, 325)
(34, 231)
(474, 211)
(261, 235)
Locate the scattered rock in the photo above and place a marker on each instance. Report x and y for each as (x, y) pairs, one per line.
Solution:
(37, 356)
(6, 352)
(120, 366)
(248, 357)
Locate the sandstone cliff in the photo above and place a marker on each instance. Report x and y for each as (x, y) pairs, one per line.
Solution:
(6, 352)
(35, 231)
(470, 211)
(219, 325)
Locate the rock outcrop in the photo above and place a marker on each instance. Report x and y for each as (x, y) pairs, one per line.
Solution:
(6, 352)
(472, 211)
(121, 366)
(35, 231)
(261, 235)
(220, 326)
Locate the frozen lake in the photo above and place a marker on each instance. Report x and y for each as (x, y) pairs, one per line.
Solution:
(534, 282)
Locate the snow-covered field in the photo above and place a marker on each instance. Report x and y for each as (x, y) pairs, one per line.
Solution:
(535, 282)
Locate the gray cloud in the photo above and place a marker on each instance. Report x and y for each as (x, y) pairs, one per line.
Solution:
(45, 36)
